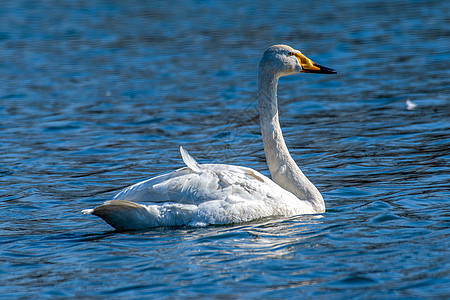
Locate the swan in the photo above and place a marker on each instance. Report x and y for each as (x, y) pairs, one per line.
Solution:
(207, 194)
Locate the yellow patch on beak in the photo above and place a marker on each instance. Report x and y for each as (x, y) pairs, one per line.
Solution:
(308, 66)
(306, 63)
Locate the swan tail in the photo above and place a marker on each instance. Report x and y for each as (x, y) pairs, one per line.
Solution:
(124, 215)
(190, 162)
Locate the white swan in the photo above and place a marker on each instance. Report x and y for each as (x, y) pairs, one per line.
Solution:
(202, 194)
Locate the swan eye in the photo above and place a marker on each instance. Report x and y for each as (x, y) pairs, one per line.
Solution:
(291, 53)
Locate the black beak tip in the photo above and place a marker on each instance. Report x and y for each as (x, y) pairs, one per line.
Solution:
(330, 71)
(325, 70)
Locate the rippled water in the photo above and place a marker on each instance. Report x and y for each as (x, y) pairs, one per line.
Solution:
(97, 95)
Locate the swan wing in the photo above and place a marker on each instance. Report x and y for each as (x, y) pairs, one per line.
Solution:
(199, 183)
(199, 194)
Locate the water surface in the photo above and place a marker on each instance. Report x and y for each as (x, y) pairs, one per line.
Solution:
(98, 95)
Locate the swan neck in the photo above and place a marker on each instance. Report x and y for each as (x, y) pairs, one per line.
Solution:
(282, 167)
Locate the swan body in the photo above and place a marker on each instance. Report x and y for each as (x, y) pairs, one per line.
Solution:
(203, 194)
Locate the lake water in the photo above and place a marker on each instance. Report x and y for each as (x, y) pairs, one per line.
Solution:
(98, 95)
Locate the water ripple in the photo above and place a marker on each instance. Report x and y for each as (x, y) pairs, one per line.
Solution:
(98, 95)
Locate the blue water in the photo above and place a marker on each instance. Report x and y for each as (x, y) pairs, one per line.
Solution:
(97, 95)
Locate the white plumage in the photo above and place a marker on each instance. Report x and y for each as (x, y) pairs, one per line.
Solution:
(203, 194)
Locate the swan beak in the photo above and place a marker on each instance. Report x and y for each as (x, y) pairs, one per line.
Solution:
(308, 66)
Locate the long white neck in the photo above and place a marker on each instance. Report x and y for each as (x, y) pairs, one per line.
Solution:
(283, 168)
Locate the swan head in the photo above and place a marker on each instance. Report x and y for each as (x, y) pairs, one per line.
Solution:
(282, 60)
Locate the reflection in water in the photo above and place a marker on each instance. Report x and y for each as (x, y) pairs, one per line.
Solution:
(266, 240)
